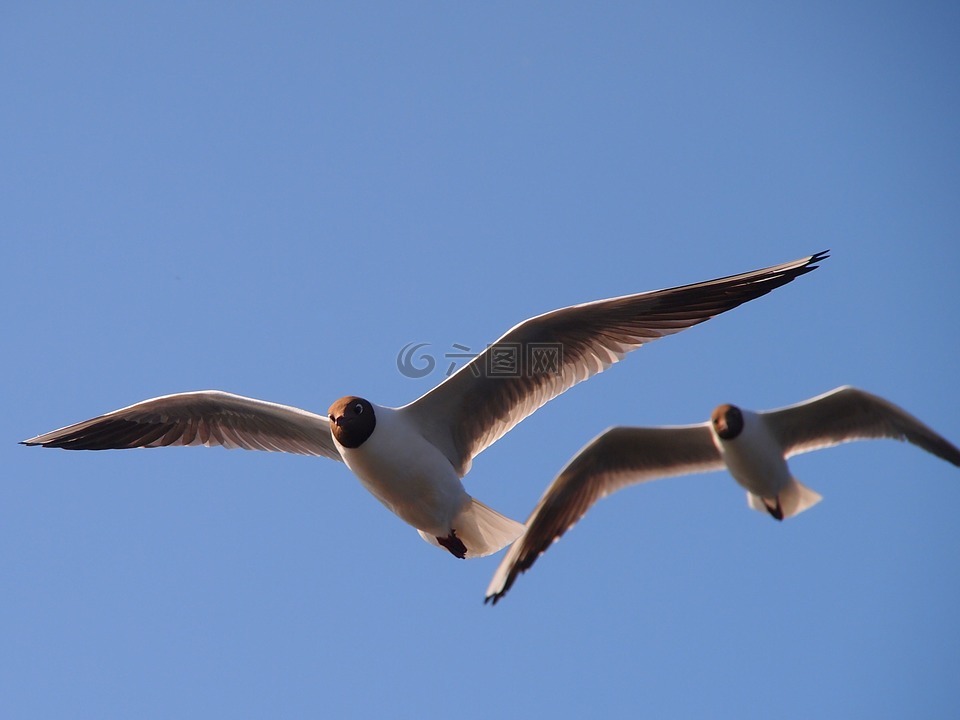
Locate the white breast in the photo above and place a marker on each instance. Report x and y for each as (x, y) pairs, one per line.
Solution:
(755, 458)
(407, 473)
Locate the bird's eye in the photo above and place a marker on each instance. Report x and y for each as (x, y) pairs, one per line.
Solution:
(358, 409)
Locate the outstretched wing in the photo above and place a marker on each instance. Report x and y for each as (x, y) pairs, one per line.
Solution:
(476, 406)
(619, 457)
(208, 417)
(848, 414)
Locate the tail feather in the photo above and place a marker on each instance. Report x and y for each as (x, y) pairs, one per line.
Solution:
(792, 500)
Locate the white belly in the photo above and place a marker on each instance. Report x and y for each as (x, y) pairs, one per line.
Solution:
(755, 459)
(408, 474)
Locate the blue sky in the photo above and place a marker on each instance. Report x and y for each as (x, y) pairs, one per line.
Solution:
(274, 201)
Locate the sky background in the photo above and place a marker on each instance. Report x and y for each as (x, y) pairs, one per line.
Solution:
(273, 201)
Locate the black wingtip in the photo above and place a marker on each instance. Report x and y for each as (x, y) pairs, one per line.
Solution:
(811, 263)
(818, 257)
(494, 598)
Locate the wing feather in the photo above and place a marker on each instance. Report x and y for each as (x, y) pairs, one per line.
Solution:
(846, 414)
(618, 457)
(476, 406)
(208, 417)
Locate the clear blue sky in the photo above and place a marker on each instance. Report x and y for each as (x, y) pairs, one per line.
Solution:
(273, 201)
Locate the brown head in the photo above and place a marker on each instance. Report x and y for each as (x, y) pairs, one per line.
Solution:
(352, 421)
(727, 421)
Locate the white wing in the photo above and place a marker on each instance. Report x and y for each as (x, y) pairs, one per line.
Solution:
(208, 417)
(848, 414)
(619, 457)
(472, 409)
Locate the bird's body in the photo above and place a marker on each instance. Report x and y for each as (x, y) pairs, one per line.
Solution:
(412, 458)
(407, 473)
(756, 460)
(418, 483)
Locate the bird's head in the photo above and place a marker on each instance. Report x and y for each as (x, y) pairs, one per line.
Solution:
(352, 421)
(727, 421)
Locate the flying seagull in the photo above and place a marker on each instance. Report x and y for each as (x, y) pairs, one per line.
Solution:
(412, 458)
(753, 446)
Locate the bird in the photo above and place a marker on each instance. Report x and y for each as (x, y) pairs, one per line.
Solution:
(752, 446)
(413, 458)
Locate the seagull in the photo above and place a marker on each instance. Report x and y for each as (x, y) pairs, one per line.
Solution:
(753, 446)
(412, 458)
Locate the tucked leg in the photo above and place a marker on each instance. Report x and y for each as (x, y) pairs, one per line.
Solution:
(774, 508)
(454, 544)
